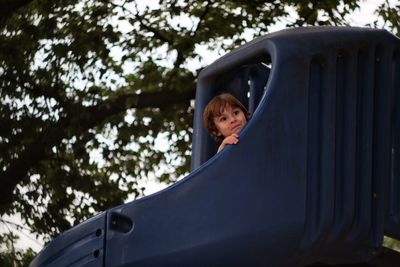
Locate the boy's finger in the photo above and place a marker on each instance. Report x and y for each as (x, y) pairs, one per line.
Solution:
(231, 141)
(234, 140)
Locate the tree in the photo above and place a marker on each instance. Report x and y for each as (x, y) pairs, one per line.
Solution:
(88, 88)
(12, 256)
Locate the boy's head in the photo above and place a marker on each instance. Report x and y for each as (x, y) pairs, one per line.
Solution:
(215, 114)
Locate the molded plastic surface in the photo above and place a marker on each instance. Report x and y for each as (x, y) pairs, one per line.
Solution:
(314, 178)
(82, 245)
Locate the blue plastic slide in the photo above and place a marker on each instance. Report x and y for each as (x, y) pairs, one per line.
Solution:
(314, 179)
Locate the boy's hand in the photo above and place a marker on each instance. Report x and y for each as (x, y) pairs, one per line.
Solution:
(233, 139)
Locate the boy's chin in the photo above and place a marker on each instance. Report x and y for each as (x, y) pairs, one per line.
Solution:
(235, 132)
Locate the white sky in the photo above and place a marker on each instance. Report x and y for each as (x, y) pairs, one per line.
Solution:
(358, 18)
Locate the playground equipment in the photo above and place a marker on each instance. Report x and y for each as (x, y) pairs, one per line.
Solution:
(315, 177)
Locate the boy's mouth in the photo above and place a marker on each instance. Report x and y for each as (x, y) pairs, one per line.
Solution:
(236, 128)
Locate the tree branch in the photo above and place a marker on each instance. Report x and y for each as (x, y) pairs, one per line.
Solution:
(81, 120)
(201, 18)
(156, 32)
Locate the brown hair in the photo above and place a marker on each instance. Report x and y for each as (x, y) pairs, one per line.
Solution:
(215, 108)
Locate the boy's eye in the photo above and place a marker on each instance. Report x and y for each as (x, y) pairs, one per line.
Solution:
(236, 112)
(221, 119)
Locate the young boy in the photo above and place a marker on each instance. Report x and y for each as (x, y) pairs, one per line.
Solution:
(224, 117)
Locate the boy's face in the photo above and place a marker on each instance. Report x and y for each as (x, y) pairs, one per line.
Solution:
(230, 121)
